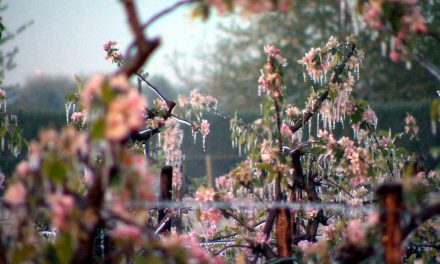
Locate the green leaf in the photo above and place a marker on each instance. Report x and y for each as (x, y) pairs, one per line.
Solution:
(98, 129)
(107, 93)
(199, 214)
(435, 109)
(64, 247)
(54, 169)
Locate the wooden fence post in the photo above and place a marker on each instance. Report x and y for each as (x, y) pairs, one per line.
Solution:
(166, 187)
(208, 163)
(391, 207)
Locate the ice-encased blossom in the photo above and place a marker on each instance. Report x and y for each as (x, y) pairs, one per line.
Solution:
(198, 101)
(293, 112)
(204, 127)
(268, 153)
(205, 195)
(369, 116)
(411, 127)
(271, 50)
(173, 136)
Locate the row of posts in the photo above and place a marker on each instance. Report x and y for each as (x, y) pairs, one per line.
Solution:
(390, 208)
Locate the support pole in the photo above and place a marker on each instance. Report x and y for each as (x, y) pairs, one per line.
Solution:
(391, 207)
(208, 162)
(166, 187)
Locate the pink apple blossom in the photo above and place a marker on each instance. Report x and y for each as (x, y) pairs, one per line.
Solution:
(127, 232)
(61, 205)
(356, 232)
(205, 195)
(304, 245)
(394, 56)
(22, 169)
(285, 131)
(77, 116)
(260, 237)
(16, 194)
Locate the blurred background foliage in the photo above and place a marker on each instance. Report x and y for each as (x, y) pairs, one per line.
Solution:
(229, 70)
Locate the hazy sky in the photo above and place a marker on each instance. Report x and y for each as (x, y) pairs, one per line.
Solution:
(68, 35)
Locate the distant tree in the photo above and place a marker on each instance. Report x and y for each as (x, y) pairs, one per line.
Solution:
(44, 94)
(230, 73)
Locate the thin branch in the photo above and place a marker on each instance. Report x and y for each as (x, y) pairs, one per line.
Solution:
(166, 11)
(162, 224)
(433, 34)
(182, 120)
(152, 87)
(337, 186)
(240, 221)
(233, 234)
(229, 247)
(118, 217)
(436, 246)
(381, 149)
(418, 219)
(228, 117)
(263, 248)
(428, 65)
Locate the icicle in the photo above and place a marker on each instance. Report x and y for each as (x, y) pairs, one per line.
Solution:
(433, 127)
(357, 67)
(383, 48)
(68, 106)
(317, 124)
(310, 128)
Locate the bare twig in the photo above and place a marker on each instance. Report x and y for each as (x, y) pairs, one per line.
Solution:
(152, 87)
(229, 247)
(428, 65)
(419, 218)
(166, 11)
(228, 213)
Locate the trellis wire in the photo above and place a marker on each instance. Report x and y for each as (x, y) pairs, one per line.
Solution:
(245, 205)
(249, 205)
